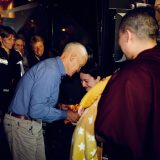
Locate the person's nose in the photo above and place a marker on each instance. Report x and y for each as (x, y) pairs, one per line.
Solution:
(83, 84)
(37, 50)
(21, 47)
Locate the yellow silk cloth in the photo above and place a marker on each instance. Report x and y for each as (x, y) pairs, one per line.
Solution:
(84, 146)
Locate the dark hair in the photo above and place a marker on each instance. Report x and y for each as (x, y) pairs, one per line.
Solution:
(5, 31)
(35, 39)
(140, 21)
(21, 37)
(92, 69)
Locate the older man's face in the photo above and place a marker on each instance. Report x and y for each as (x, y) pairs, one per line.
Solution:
(76, 64)
(19, 45)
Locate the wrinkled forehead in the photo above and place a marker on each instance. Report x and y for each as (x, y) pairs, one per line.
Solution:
(19, 41)
(38, 44)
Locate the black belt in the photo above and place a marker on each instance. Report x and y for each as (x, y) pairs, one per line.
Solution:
(19, 116)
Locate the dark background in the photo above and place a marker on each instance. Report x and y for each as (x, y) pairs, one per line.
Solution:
(91, 22)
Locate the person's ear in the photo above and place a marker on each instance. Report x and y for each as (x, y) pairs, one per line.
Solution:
(129, 36)
(72, 58)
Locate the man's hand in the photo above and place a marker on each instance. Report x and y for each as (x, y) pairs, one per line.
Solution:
(73, 117)
(63, 106)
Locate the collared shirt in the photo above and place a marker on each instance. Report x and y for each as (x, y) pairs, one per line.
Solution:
(37, 92)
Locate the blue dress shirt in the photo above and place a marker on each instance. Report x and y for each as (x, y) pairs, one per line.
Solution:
(38, 90)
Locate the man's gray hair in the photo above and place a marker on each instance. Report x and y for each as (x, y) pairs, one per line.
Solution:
(75, 45)
(141, 22)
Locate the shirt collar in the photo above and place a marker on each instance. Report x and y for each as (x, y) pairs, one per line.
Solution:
(61, 66)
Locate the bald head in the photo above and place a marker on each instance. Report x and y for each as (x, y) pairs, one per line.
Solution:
(138, 31)
(76, 49)
(74, 56)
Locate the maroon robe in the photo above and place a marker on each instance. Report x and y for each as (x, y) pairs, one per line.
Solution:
(128, 115)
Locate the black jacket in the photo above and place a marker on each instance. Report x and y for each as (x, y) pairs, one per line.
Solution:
(10, 75)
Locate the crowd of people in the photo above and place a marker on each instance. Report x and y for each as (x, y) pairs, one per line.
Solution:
(15, 60)
(120, 111)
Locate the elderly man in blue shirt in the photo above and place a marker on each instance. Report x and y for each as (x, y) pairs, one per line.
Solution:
(35, 99)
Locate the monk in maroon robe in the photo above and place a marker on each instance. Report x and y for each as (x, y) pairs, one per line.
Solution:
(128, 117)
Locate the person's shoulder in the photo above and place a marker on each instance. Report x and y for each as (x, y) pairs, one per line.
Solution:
(48, 61)
(15, 57)
(47, 64)
(2, 52)
(16, 54)
(132, 69)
